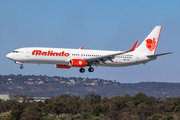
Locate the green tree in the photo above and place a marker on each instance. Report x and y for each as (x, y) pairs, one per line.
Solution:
(85, 115)
(8, 117)
(167, 118)
(155, 117)
(33, 113)
(150, 101)
(139, 98)
(17, 110)
(98, 110)
(177, 108)
(96, 118)
(176, 101)
(160, 117)
(119, 102)
(5, 116)
(63, 117)
(126, 96)
(92, 98)
(50, 117)
(78, 117)
(114, 115)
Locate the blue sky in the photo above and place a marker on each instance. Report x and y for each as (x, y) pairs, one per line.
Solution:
(93, 24)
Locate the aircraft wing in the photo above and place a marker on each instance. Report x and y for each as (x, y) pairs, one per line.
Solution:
(102, 59)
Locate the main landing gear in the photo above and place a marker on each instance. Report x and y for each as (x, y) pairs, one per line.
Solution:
(82, 70)
(91, 69)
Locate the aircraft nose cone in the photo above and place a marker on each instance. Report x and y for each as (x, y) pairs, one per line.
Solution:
(9, 56)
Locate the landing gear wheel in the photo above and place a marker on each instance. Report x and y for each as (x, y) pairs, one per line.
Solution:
(91, 69)
(21, 67)
(81, 70)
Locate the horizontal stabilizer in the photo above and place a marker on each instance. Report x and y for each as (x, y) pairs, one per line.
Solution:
(156, 55)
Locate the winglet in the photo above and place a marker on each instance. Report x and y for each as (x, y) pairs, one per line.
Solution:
(81, 48)
(134, 47)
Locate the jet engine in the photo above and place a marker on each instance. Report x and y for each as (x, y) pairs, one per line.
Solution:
(77, 63)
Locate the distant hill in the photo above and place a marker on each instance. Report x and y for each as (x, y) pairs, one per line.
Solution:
(45, 86)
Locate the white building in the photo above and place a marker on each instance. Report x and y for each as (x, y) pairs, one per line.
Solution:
(4, 97)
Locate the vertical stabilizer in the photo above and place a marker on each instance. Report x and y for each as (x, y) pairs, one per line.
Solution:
(149, 45)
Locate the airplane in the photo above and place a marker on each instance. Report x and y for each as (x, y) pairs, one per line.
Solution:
(67, 58)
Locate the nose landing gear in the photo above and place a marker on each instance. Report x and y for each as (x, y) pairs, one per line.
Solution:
(21, 67)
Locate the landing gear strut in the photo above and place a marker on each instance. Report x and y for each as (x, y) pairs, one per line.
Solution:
(20, 63)
(91, 69)
(81, 70)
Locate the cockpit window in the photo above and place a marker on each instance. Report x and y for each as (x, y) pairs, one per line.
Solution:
(16, 51)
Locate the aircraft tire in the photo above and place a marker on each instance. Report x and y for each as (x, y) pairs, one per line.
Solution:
(91, 69)
(81, 70)
(21, 67)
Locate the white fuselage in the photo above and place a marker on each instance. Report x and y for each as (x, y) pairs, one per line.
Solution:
(63, 56)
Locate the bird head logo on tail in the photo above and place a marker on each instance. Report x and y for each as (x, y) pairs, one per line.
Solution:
(151, 44)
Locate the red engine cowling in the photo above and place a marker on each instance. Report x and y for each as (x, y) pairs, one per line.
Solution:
(63, 66)
(77, 63)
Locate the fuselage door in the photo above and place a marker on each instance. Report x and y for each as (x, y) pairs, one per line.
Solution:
(27, 53)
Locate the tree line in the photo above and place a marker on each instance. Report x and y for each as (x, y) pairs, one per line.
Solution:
(91, 107)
